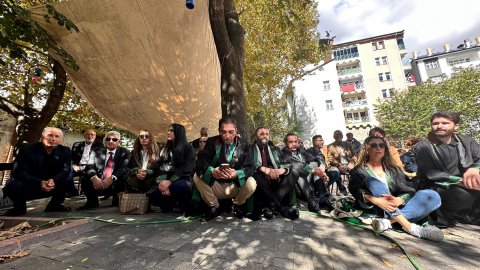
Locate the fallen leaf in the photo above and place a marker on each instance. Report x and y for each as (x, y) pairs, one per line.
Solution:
(387, 263)
(84, 260)
(391, 246)
(416, 253)
(11, 257)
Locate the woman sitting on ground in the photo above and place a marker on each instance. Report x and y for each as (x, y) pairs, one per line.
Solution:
(143, 163)
(176, 168)
(379, 184)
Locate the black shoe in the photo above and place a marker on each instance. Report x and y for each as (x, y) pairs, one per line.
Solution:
(15, 212)
(313, 206)
(212, 213)
(239, 211)
(87, 206)
(289, 212)
(267, 213)
(57, 208)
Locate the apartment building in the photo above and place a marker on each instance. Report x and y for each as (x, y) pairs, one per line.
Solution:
(436, 66)
(367, 71)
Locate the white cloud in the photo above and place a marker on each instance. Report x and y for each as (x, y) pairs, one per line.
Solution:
(427, 23)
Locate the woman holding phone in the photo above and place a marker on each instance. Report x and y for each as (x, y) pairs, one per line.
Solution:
(175, 171)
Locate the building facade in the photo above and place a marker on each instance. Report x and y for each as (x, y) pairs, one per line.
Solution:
(437, 66)
(366, 71)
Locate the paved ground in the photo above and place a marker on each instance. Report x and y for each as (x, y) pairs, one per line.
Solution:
(229, 243)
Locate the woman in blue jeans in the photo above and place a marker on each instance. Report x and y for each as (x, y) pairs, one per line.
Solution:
(377, 183)
(175, 170)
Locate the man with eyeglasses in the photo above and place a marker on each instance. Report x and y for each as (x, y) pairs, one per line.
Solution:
(106, 172)
(224, 170)
(450, 164)
(81, 152)
(40, 170)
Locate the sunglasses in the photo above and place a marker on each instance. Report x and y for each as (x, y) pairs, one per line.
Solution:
(143, 136)
(377, 145)
(111, 139)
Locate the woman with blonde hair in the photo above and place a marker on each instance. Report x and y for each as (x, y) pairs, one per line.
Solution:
(143, 163)
(378, 183)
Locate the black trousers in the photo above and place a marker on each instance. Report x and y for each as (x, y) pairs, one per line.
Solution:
(20, 192)
(272, 193)
(92, 194)
(308, 193)
(459, 204)
(180, 195)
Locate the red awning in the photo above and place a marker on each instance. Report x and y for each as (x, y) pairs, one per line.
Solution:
(347, 88)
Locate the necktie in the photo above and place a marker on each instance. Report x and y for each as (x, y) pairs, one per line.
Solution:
(264, 158)
(227, 151)
(109, 167)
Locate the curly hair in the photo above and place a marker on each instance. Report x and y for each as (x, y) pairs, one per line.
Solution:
(387, 160)
(152, 148)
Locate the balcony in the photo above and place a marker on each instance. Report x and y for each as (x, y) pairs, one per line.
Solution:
(352, 88)
(346, 56)
(349, 71)
(357, 120)
(355, 103)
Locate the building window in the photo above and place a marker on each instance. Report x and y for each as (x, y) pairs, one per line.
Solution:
(329, 104)
(345, 53)
(388, 77)
(326, 85)
(381, 61)
(458, 61)
(386, 93)
(431, 64)
(437, 79)
(378, 45)
(384, 60)
(384, 76)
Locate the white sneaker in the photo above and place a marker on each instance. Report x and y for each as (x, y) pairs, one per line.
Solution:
(430, 232)
(381, 224)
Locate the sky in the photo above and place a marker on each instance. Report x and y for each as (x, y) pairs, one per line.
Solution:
(427, 23)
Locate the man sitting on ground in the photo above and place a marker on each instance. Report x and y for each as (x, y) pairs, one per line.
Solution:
(310, 169)
(106, 173)
(450, 164)
(224, 170)
(40, 170)
(275, 181)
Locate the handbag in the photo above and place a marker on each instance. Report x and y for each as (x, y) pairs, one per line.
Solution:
(133, 203)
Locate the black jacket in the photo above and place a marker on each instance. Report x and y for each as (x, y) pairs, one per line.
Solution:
(31, 161)
(77, 150)
(120, 160)
(301, 166)
(241, 160)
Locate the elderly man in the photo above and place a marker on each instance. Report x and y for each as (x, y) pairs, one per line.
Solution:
(341, 160)
(275, 180)
(310, 169)
(450, 163)
(106, 173)
(40, 170)
(81, 154)
(203, 134)
(224, 170)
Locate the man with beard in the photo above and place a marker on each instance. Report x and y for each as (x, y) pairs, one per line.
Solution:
(449, 163)
(275, 180)
(309, 169)
(342, 159)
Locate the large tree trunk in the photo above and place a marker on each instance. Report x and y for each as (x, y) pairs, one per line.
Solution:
(229, 40)
(31, 122)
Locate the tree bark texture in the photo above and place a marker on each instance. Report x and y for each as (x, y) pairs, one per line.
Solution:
(229, 40)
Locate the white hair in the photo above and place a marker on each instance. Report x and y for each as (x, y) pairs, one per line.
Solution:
(47, 129)
(111, 132)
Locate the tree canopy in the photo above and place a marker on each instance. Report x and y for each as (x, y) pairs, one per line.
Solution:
(281, 42)
(407, 113)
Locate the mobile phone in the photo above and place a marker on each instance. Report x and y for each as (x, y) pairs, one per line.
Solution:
(224, 166)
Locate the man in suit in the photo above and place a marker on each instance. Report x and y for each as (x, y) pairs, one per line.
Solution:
(81, 151)
(80, 156)
(203, 133)
(40, 170)
(105, 173)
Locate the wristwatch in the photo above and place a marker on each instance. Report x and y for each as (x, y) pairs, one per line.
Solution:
(114, 178)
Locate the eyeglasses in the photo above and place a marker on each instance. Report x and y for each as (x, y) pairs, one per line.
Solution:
(144, 136)
(111, 139)
(377, 145)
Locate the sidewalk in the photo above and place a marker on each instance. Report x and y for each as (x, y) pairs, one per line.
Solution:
(230, 243)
